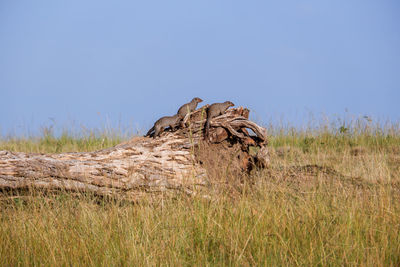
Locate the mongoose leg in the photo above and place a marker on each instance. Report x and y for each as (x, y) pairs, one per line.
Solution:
(157, 131)
(185, 119)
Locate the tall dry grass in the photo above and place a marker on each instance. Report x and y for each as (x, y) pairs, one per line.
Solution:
(330, 197)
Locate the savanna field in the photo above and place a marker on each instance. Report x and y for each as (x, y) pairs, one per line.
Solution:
(330, 197)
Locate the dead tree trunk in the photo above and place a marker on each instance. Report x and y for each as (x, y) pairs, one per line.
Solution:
(143, 164)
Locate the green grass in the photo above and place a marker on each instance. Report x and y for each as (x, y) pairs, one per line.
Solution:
(285, 215)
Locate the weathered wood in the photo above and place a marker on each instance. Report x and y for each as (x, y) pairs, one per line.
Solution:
(141, 165)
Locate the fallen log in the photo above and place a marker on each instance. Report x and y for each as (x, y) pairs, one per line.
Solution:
(174, 161)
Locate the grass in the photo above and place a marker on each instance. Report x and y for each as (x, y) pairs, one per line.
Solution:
(330, 197)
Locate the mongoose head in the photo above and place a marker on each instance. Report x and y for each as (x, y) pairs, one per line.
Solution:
(197, 100)
(229, 103)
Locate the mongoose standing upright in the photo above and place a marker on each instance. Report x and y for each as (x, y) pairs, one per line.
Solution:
(189, 107)
(159, 125)
(215, 110)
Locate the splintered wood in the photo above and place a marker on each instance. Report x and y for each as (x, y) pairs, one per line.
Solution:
(141, 165)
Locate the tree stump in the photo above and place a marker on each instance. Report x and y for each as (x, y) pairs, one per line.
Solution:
(174, 161)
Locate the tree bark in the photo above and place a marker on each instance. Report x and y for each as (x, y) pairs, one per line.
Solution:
(142, 165)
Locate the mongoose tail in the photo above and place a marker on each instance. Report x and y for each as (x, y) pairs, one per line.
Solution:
(215, 110)
(149, 132)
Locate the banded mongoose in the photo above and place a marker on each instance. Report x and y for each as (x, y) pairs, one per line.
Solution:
(215, 110)
(189, 107)
(159, 125)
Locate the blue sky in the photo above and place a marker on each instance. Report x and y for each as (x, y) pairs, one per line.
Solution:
(130, 62)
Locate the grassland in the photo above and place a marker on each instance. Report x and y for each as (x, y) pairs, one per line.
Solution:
(330, 197)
